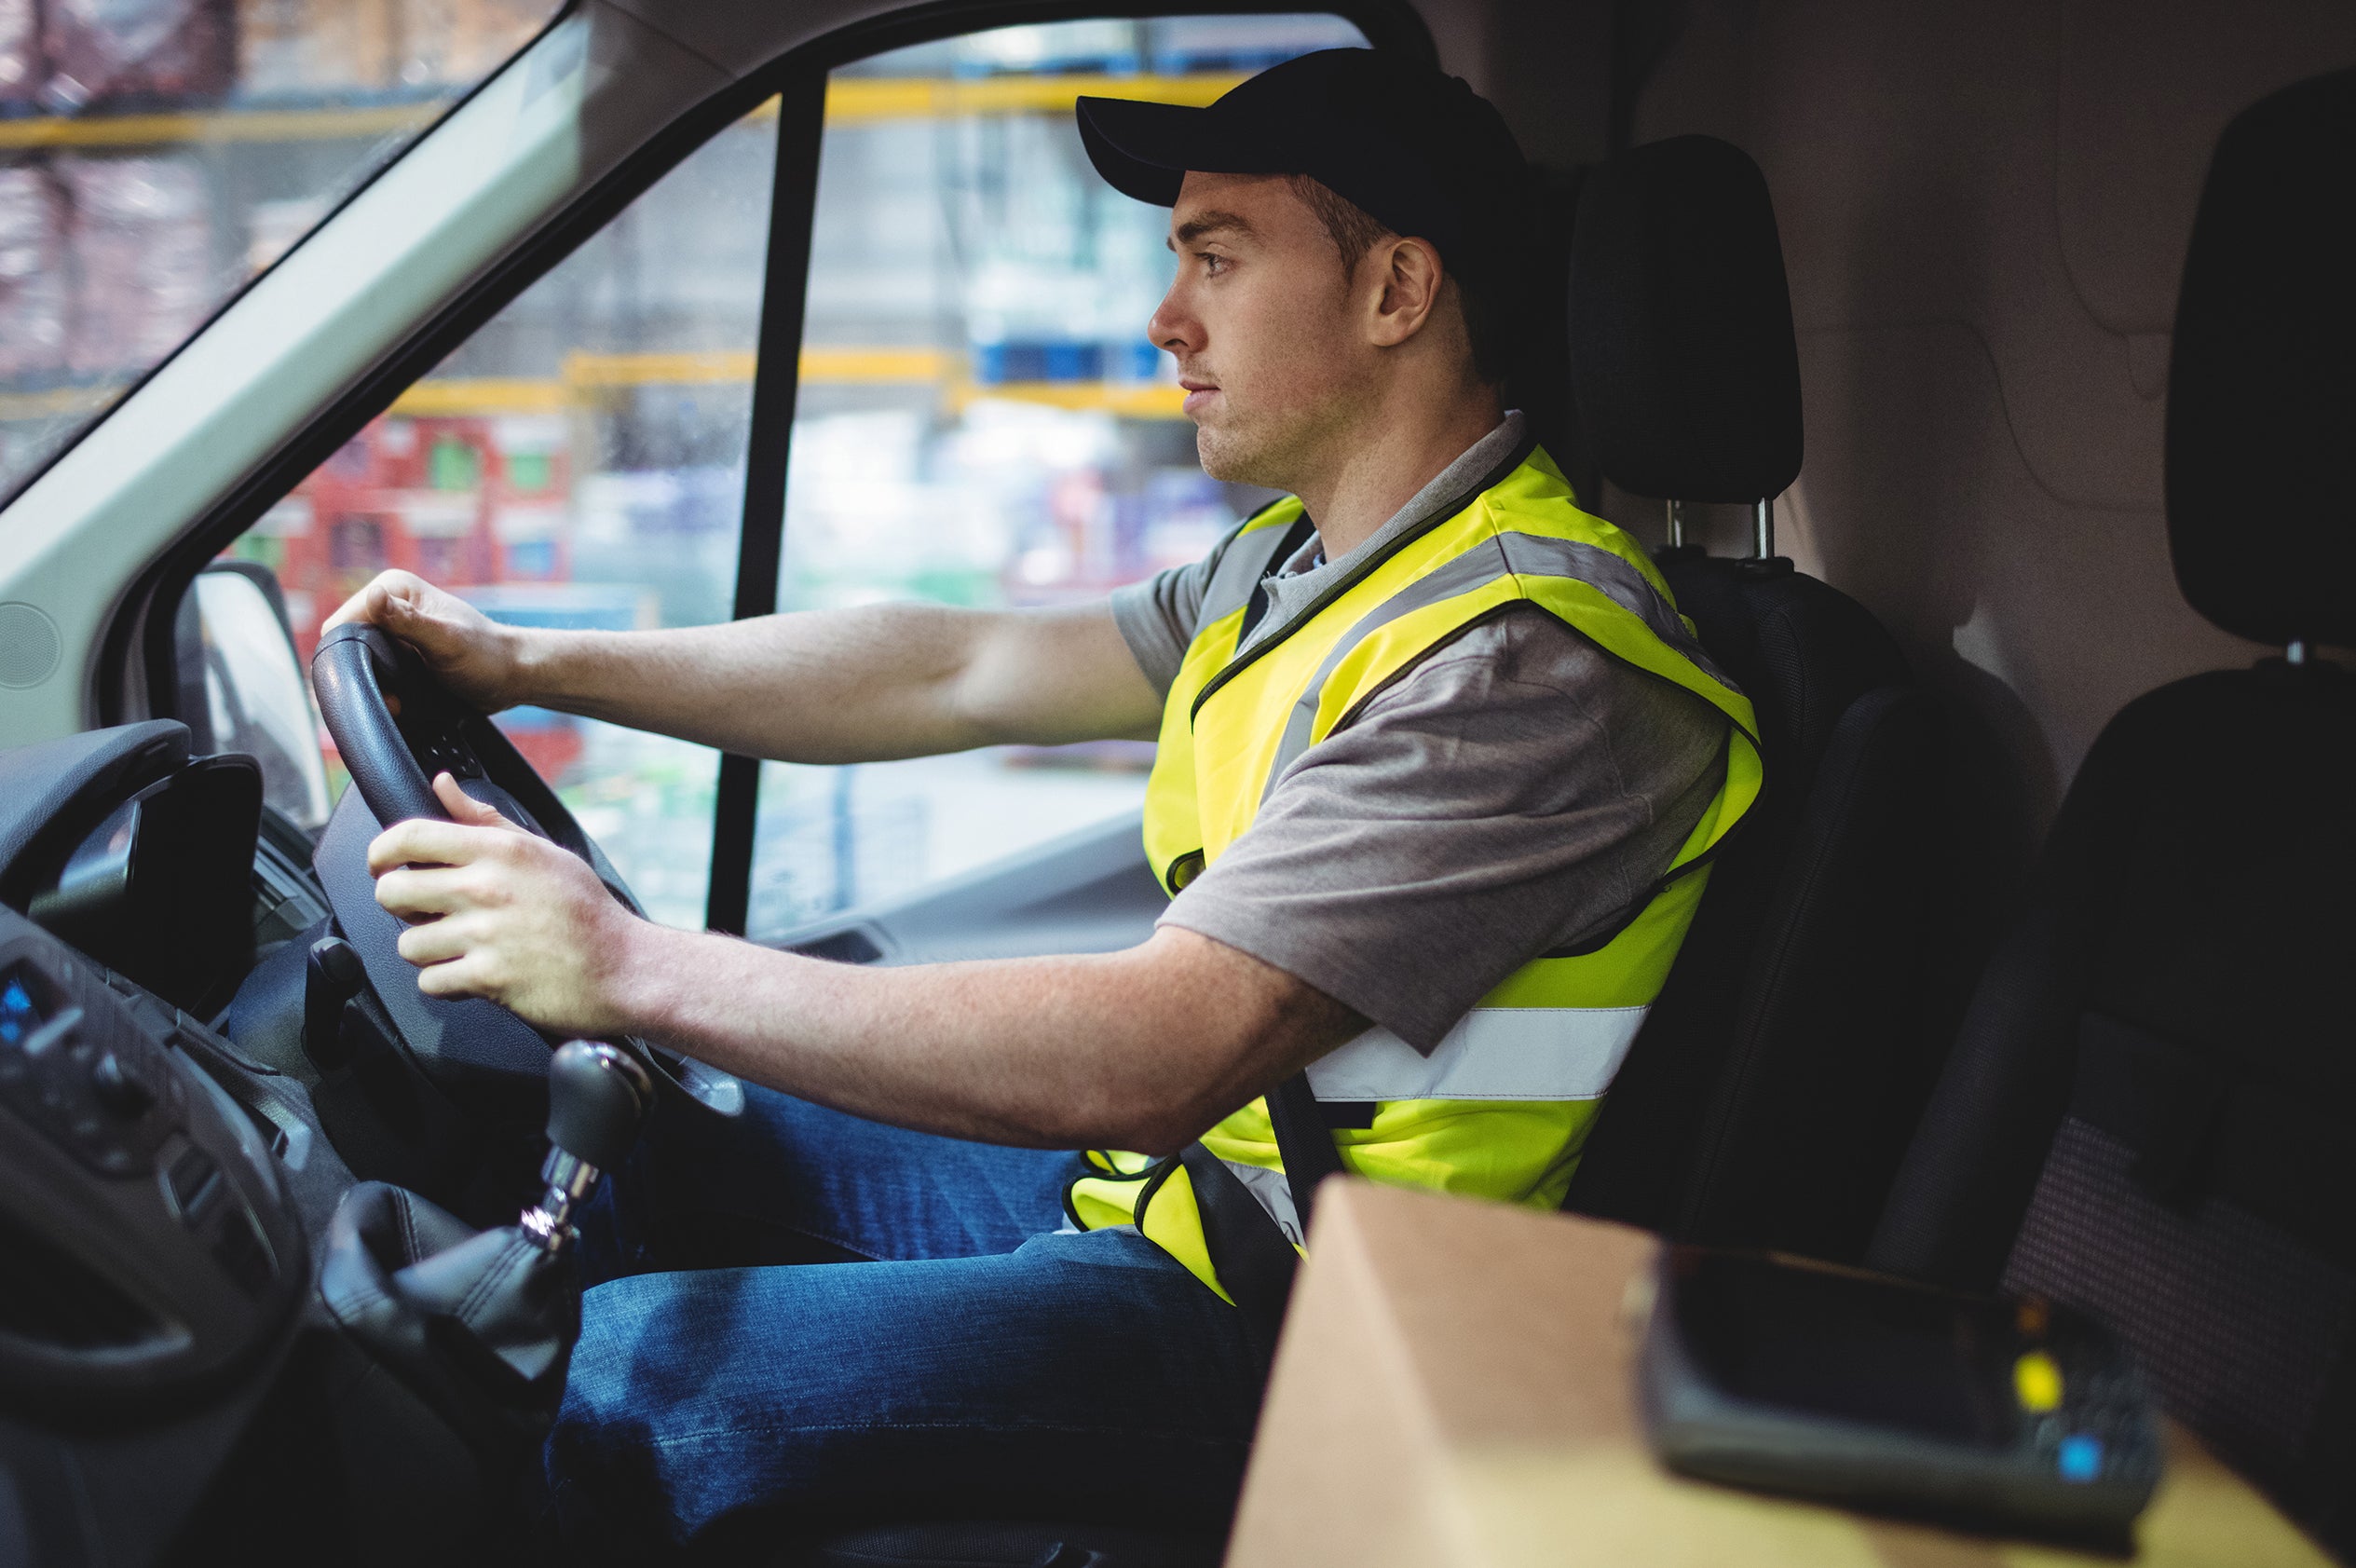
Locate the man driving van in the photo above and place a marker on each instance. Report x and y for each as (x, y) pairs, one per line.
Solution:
(1439, 766)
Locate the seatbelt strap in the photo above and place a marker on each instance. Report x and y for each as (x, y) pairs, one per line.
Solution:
(1304, 1140)
(1255, 1262)
(1254, 1258)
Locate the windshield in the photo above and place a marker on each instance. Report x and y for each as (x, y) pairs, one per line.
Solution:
(156, 155)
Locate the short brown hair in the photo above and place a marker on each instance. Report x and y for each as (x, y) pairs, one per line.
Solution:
(1354, 230)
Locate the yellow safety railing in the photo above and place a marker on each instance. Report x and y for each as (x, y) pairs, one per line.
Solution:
(216, 125)
(57, 400)
(850, 99)
(585, 376)
(909, 98)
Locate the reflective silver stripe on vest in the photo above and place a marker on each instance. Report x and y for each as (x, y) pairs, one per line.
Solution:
(1493, 1053)
(1512, 555)
(1245, 559)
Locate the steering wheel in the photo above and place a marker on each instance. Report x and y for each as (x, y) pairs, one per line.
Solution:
(396, 726)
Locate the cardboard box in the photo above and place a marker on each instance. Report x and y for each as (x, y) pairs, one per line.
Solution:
(299, 48)
(141, 239)
(1455, 1388)
(33, 276)
(135, 53)
(20, 72)
(318, 49)
(459, 42)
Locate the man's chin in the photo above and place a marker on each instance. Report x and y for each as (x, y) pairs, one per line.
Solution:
(1226, 458)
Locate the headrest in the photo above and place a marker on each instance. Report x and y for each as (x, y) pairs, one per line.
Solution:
(1682, 354)
(2262, 388)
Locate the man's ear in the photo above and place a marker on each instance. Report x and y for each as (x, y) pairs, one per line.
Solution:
(1411, 275)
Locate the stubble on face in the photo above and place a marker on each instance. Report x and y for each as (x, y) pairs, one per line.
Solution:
(1277, 340)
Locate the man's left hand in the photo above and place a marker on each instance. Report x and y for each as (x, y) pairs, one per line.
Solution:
(499, 913)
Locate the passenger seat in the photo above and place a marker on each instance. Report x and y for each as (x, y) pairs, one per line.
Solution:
(1769, 1098)
(2147, 1112)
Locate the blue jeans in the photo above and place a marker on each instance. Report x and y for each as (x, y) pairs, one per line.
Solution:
(802, 1315)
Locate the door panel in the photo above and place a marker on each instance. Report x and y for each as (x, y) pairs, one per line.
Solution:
(1088, 892)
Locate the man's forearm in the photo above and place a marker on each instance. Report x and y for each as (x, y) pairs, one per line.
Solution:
(845, 686)
(1141, 1050)
(852, 685)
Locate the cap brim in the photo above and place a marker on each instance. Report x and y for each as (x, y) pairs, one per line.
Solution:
(1144, 150)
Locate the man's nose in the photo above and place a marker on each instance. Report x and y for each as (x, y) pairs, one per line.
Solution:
(1172, 327)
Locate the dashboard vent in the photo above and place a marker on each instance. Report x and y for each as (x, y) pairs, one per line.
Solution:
(51, 1297)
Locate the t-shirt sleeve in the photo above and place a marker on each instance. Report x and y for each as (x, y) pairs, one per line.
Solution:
(1157, 618)
(1515, 792)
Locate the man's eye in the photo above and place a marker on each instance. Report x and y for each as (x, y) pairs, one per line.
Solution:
(1213, 262)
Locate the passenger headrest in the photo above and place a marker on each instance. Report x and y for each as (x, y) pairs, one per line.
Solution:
(2261, 389)
(1681, 356)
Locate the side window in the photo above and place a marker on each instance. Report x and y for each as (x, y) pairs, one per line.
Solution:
(980, 418)
(578, 461)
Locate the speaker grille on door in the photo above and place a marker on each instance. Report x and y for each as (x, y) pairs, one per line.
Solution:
(29, 644)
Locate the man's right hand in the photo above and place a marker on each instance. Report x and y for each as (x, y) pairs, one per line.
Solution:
(475, 656)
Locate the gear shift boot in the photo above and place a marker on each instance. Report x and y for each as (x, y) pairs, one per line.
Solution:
(480, 1325)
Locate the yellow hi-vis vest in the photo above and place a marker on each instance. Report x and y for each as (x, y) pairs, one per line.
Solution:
(1501, 1108)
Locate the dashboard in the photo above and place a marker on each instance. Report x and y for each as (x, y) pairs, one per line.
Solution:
(163, 1192)
(230, 1124)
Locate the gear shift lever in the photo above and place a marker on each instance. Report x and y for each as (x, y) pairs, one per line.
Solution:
(480, 1325)
(597, 1093)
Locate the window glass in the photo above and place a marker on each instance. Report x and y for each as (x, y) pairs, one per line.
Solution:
(981, 419)
(155, 154)
(578, 461)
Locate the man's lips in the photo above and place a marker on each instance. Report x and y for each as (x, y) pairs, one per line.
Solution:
(1198, 393)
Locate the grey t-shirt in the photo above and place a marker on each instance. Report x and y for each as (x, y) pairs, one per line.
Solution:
(1515, 791)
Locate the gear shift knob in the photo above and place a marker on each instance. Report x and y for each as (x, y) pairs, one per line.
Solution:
(597, 1093)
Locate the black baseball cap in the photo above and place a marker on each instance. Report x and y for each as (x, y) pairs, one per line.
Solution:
(1418, 150)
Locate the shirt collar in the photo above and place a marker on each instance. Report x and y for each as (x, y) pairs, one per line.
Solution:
(1447, 486)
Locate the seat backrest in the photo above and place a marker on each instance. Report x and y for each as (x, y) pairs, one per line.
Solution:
(2145, 1112)
(1770, 1094)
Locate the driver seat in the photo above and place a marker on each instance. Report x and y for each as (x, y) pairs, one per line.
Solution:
(1767, 1101)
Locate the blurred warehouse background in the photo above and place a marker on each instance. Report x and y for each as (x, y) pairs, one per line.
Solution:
(980, 421)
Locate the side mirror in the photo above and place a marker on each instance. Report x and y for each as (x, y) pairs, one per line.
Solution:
(241, 687)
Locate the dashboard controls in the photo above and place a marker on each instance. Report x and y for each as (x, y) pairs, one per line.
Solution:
(438, 751)
(84, 1077)
(195, 1182)
(122, 1089)
(126, 1176)
(19, 1015)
